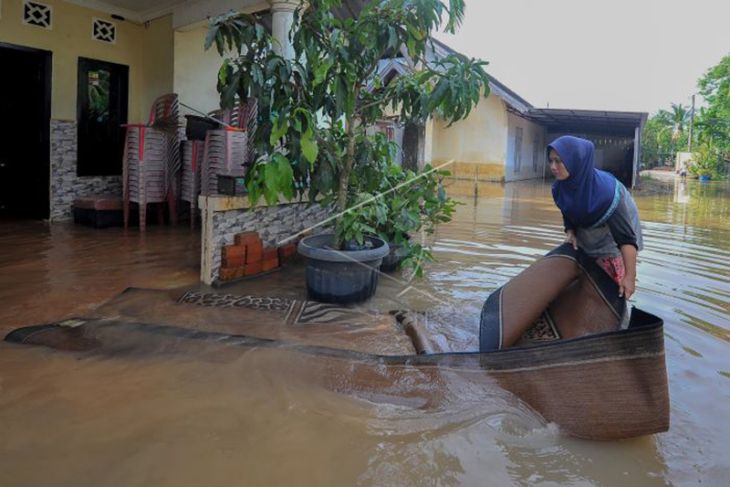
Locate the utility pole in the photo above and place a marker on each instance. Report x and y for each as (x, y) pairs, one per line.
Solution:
(691, 123)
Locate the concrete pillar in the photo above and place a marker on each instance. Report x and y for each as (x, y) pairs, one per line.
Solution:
(428, 136)
(635, 170)
(282, 20)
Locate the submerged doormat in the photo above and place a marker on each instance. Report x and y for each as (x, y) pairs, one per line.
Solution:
(264, 316)
(295, 311)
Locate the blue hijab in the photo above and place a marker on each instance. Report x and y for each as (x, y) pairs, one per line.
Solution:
(589, 195)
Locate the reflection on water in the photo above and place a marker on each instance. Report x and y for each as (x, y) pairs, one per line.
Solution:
(275, 417)
(52, 271)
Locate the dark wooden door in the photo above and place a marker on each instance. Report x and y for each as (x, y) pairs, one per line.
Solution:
(25, 101)
(102, 109)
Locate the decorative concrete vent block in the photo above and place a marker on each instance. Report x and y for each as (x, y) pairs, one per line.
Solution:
(37, 14)
(104, 31)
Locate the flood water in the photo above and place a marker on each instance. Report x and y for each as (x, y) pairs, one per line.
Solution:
(274, 417)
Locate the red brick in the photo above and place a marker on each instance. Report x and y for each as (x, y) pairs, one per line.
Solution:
(246, 237)
(270, 253)
(268, 264)
(227, 274)
(254, 268)
(233, 262)
(233, 256)
(254, 252)
(233, 252)
(287, 251)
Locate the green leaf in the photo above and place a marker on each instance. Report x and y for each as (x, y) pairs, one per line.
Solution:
(285, 174)
(310, 149)
(211, 36)
(223, 73)
(271, 176)
(320, 72)
(279, 128)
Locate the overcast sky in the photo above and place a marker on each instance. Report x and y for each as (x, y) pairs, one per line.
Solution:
(635, 55)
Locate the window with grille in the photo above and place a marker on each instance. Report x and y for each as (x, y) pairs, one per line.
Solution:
(37, 14)
(104, 31)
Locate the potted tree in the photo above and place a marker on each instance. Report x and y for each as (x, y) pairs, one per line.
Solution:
(413, 204)
(314, 112)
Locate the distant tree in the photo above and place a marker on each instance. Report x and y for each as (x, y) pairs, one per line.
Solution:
(653, 150)
(663, 133)
(666, 130)
(713, 122)
(680, 116)
(676, 118)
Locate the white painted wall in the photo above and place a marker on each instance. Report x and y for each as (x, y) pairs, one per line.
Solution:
(196, 70)
(533, 154)
(193, 12)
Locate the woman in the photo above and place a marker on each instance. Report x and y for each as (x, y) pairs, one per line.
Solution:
(599, 214)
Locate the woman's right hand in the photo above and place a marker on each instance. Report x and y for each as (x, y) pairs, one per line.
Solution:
(571, 239)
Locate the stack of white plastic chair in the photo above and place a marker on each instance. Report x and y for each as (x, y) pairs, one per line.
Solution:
(192, 162)
(151, 166)
(242, 116)
(165, 115)
(145, 169)
(224, 155)
(248, 122)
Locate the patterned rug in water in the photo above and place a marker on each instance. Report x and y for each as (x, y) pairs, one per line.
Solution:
(296, 311)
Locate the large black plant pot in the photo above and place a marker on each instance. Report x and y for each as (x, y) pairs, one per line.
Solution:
(392, 261)
(341, 276)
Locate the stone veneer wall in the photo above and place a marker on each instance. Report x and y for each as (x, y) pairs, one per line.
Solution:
(65, 184)
(273, 224)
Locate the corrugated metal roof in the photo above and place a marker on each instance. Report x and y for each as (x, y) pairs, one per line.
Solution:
(588, 121)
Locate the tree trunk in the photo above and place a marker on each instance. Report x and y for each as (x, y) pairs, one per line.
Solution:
(413, 145)
(344, 181)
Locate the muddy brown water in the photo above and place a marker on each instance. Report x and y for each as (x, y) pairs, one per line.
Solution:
(273, 417)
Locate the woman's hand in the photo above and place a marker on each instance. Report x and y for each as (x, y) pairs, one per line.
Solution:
(628, 283)
(571, 239)
(627, 287)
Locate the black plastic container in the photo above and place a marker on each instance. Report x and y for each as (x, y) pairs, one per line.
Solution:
(342, 277)
(232, 185)
(196, 127)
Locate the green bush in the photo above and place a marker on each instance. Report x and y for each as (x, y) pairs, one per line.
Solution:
(707, 160)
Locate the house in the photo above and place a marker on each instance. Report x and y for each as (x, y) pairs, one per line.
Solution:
(80, 69)
(504, 137)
